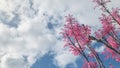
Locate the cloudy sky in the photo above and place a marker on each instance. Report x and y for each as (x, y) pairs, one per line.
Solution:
(29, 31)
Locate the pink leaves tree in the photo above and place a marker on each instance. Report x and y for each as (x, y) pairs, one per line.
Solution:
(78, 37)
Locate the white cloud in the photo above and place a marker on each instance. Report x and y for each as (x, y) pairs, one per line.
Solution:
(100, 49)
(12, 62)
(32, 38)
(65, 58)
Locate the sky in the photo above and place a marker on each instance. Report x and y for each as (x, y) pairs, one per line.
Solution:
(29, 31)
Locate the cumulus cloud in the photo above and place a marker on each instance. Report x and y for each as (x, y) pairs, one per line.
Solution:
(26, 40)
(63, 56)
(13, 62)
(30, 28)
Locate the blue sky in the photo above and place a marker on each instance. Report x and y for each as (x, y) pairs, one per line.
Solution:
(45, 62)
(29, 32)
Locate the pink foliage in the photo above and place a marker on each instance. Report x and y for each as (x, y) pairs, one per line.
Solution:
(100, 2)
(99, 34)
(78, 36)
(107, 26)
(118, 59)
(89, 65)
(111, 54)
(75, 51)
(115, 14)
(112, 42)
(75, 33)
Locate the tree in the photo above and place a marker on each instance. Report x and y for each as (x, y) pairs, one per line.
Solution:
(78, 37)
